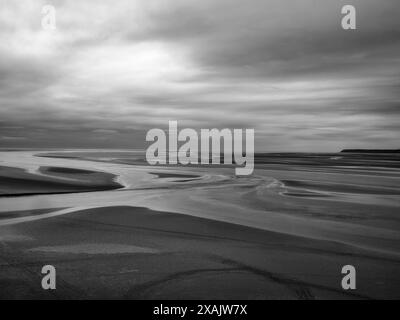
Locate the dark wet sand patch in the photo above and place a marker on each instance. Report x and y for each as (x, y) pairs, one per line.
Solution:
(305, 194)
(56, 156)
(187, 180)
(85, 177)
(340, 188)
(173, 175)
(137, 253)
(67, 170)
(18, 182)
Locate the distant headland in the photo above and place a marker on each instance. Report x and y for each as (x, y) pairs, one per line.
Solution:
(371, 150)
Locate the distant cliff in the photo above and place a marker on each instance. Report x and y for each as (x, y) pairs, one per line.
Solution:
(371, 150)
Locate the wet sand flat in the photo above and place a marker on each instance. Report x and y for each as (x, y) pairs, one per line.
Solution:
(137, 253)
(199, 232)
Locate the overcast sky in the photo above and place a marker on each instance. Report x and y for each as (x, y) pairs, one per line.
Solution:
(114, 69)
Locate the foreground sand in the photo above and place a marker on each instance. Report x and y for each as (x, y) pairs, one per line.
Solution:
(137, 253)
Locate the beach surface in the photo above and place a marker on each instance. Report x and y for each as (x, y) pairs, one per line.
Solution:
(116, 228)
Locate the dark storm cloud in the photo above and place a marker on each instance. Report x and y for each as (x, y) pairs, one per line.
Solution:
(239, 36)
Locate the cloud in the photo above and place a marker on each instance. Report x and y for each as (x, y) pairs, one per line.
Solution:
(12, 138)
(285, 68)
(105, 131)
